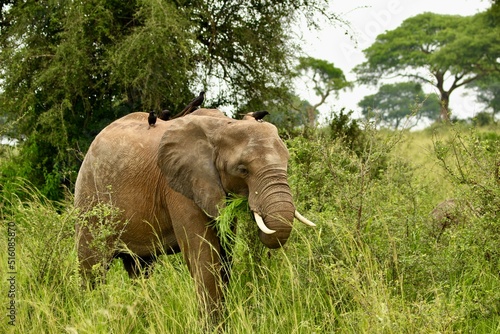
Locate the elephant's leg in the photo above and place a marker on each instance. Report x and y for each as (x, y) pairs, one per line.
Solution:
(201, 249)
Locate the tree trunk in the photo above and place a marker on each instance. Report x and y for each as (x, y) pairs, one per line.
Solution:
(445, 101)
(311, 116)
(445, 97)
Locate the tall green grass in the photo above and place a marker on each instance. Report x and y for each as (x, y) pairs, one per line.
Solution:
(372, 265)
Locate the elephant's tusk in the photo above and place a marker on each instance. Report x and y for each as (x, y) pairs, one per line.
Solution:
(261, 225)
(303, 219)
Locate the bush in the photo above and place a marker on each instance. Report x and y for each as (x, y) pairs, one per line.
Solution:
(343, 127)
(50, 178)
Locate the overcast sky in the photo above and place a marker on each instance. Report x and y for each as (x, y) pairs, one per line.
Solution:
(368, 19)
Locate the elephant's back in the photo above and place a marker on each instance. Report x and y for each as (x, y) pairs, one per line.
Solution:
(136, 124)
(123, 155)
(131, 134)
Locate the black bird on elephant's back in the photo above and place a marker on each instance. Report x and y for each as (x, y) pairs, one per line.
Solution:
(257, 115)
(165, 115)
(151, 119)
(193, 105)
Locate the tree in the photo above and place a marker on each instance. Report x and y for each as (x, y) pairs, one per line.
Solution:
(394, 102)
(326, 79)
(68, 68)
(454, 50)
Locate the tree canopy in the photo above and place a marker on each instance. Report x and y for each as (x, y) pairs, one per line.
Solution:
(394, 102)
(447, 51)
(68, 68)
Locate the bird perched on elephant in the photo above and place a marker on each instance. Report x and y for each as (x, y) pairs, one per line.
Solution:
(168, 185)
(165, 115)
(152, 119)
(256, 115)
(193, 105)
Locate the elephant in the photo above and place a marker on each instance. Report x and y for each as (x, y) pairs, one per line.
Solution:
(169, 182)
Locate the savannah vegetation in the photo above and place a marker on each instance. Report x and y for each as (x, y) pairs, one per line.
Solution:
(378, 261)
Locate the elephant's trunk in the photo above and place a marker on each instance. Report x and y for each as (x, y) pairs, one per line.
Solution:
(271, 198)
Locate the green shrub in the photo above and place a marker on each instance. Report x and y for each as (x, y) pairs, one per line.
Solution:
(348, 130)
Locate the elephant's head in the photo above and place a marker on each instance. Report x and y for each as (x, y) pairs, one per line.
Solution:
(206, 156)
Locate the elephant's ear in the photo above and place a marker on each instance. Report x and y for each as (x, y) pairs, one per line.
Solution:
(186, 158)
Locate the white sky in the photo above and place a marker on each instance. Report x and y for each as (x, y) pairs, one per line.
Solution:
(367, 20)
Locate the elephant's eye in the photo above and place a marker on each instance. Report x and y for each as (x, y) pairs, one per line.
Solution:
(242, 170)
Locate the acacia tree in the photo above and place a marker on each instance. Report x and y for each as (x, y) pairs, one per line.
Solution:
(394, 102)
(446, 51)
(68, 68)
(326, 80)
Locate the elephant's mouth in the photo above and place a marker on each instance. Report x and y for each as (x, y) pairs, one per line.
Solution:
(274, 230)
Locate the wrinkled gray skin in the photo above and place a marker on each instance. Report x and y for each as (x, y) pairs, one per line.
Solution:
(169, 180)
